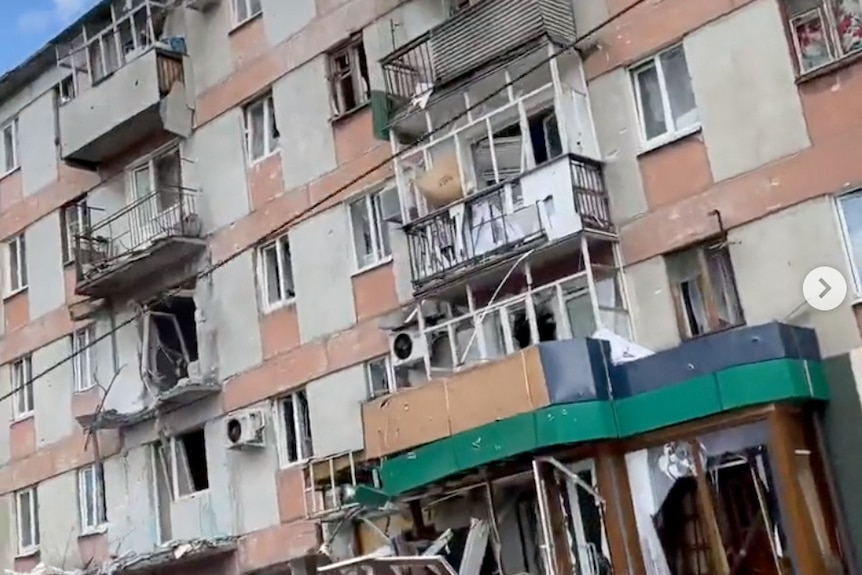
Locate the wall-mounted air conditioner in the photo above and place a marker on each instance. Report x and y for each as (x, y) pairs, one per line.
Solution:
(407, 347)
(246, 429)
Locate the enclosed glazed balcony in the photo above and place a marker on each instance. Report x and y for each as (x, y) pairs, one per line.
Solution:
(127, 83)
(144, 240)
(470, 39)
(520, 173)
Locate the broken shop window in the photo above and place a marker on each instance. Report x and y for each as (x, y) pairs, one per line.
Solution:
(170, 344)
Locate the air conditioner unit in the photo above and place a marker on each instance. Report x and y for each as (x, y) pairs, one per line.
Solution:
(202, 5)
(407, 347)
(245, 429)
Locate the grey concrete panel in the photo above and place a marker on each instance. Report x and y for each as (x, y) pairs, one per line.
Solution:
(51, 391)
(282, 19)
(334, 404)
(236, 315)
(47, 286)
(37, 143)
(651, 304)
(129, 497)
(58, 520)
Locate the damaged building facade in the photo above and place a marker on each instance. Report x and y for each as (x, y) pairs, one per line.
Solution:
(466, 286)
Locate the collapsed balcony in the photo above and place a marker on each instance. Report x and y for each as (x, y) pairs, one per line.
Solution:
(472, 38)
(124, 83)
(124, 252)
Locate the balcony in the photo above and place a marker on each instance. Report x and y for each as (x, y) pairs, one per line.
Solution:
(142, 99)
(555, 200)
(470, 40)
(139, 244)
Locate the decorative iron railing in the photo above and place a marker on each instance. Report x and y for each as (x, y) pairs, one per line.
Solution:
(450, 240)
(168, 212)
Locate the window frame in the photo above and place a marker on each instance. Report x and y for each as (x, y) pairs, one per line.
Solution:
(24, 404)
(82, 220)
(271, 143)
(91, 480)
(83, 376)
(177, 445)
(824, 12)
(12, 125)
(250, 15)
(283, 436)
(711, 296)
(381, 254)
(845, 237)
(18, 244)
(389, 369)
(354, 48)
(286, 296)
(33, 511)
(671, 132)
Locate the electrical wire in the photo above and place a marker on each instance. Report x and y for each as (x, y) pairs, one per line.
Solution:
(314, 206)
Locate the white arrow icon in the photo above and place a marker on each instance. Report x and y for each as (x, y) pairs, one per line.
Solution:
(824, 288)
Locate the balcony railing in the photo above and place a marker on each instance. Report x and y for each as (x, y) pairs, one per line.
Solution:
(139, 227)
(482, 229)
(471, 39)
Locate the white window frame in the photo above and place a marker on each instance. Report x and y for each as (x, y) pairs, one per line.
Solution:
(391, 385)
(74, 226)
(284, 297)
(825, 13)
(361, 86)
(91, 482)
(33, 511)
(373, 209)
(177, 447)
(671, 131)
(250, 13)
(22, 386)
(80, 343)
(16, 280)
(10, 126)
(280, 406)
(271, 144)
(846, 239)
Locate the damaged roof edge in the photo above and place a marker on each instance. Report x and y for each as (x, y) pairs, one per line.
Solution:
(44, 58)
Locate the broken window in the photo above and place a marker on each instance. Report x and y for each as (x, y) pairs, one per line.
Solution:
(348, 77)
(369, 217)
(704, 290)
(664, 96)
(157, 190)
(91, 498)
(190, 470)
(170, 342)
(74, 221)
(82, 359)
(10, 146)
(16, 264)
(383, 378)
(262, 137)
(296, 443)
(276, 272)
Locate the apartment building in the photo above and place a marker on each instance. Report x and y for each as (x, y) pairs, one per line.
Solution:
(469, 286)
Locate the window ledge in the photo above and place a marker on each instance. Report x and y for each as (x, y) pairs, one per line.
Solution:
(21, 417)
(193, 495)
(237, 26)
(27, 553)
(93, 531)
(87, 389)
(5, 175)
(253, 163)
(9, 295)
(371, 267)
(294, 464)
(268, 309)
(844, 62)
(338, 118)
(669, 139)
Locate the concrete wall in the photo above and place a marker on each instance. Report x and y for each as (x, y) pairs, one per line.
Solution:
(334, 405)
(235, 313)
(210, 56)
(37, 133)
(303, 110)
(47, 287)
(8, 535)
(283, 19)
(58, 520)
(324, 290)
(770, 258)
(54, 389)
(746, 95)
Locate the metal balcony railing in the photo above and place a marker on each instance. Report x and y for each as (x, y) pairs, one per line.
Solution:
(471, 39)
(168, 212)
(442, 242)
